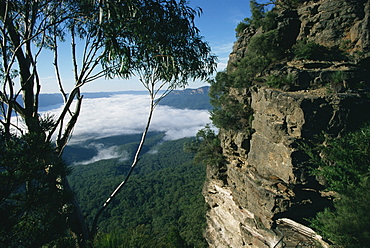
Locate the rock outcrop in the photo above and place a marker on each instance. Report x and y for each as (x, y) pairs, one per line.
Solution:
(264, 194)
(267, 176)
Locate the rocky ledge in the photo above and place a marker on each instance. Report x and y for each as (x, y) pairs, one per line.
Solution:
(268, 191)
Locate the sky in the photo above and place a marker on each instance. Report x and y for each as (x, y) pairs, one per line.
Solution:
(217, 25)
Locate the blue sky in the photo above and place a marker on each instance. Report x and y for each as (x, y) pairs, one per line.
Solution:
(217, 24)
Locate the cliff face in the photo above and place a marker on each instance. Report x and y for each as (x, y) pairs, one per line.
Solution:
(331, 23)
(267, 179)
(265, 193)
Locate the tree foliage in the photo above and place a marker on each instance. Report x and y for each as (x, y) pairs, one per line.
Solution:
(347, 225)
(263, 49)
(305, 49)
(31, 193)
(260, 18)
(228, 113)
(345, 164)
(206, 147)
(345, 161)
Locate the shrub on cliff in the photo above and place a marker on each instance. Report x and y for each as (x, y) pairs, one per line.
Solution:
(263, 49)
(207, 147)
(228, 113)
(346, 160)
(259, 18)
(305, 49)
(280, 81)
(310, 50)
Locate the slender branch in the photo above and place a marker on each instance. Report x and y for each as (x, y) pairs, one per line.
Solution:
(74, 57)
(61, 143)
(149, 76)
(42, 27)
(86, 47)
(7, 78)
(99, 74)
(66, 108)
(56, 67)
(37, 92)
(88, 72)
(90, 60)
(168, 91)
(133, 165)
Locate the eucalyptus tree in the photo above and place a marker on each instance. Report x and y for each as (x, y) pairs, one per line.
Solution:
(161, 69)
(155, 38)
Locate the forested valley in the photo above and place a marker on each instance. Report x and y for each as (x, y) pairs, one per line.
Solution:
(161, 205)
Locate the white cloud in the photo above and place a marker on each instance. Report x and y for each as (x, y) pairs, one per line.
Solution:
(224, 48)
(222, 63)
(104, 153)
(127, 114)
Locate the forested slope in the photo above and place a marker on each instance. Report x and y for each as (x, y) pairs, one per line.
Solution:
(161, 204)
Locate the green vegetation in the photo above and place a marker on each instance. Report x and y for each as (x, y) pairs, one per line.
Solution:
(263, 50)
(347, 224)
(337, 77)
(279, 81)
(208, 152)
(259, 18)
(336, 82)
(228, 112)
(30, 195)
(290, 4)
(345, 160)
(206, 147)
(305, 49)
(141, 236)
(310, 50)
(345, 164)
(160, 206)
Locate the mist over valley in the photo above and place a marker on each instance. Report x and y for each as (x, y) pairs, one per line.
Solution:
(109, 120)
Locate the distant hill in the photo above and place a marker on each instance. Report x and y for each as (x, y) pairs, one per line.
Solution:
(50, 100)
(181, 99)
(188, 98)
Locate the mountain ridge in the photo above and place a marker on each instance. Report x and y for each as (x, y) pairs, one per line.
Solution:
(187, 98)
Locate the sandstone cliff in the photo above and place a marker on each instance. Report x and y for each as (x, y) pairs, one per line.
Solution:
(266, 193)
